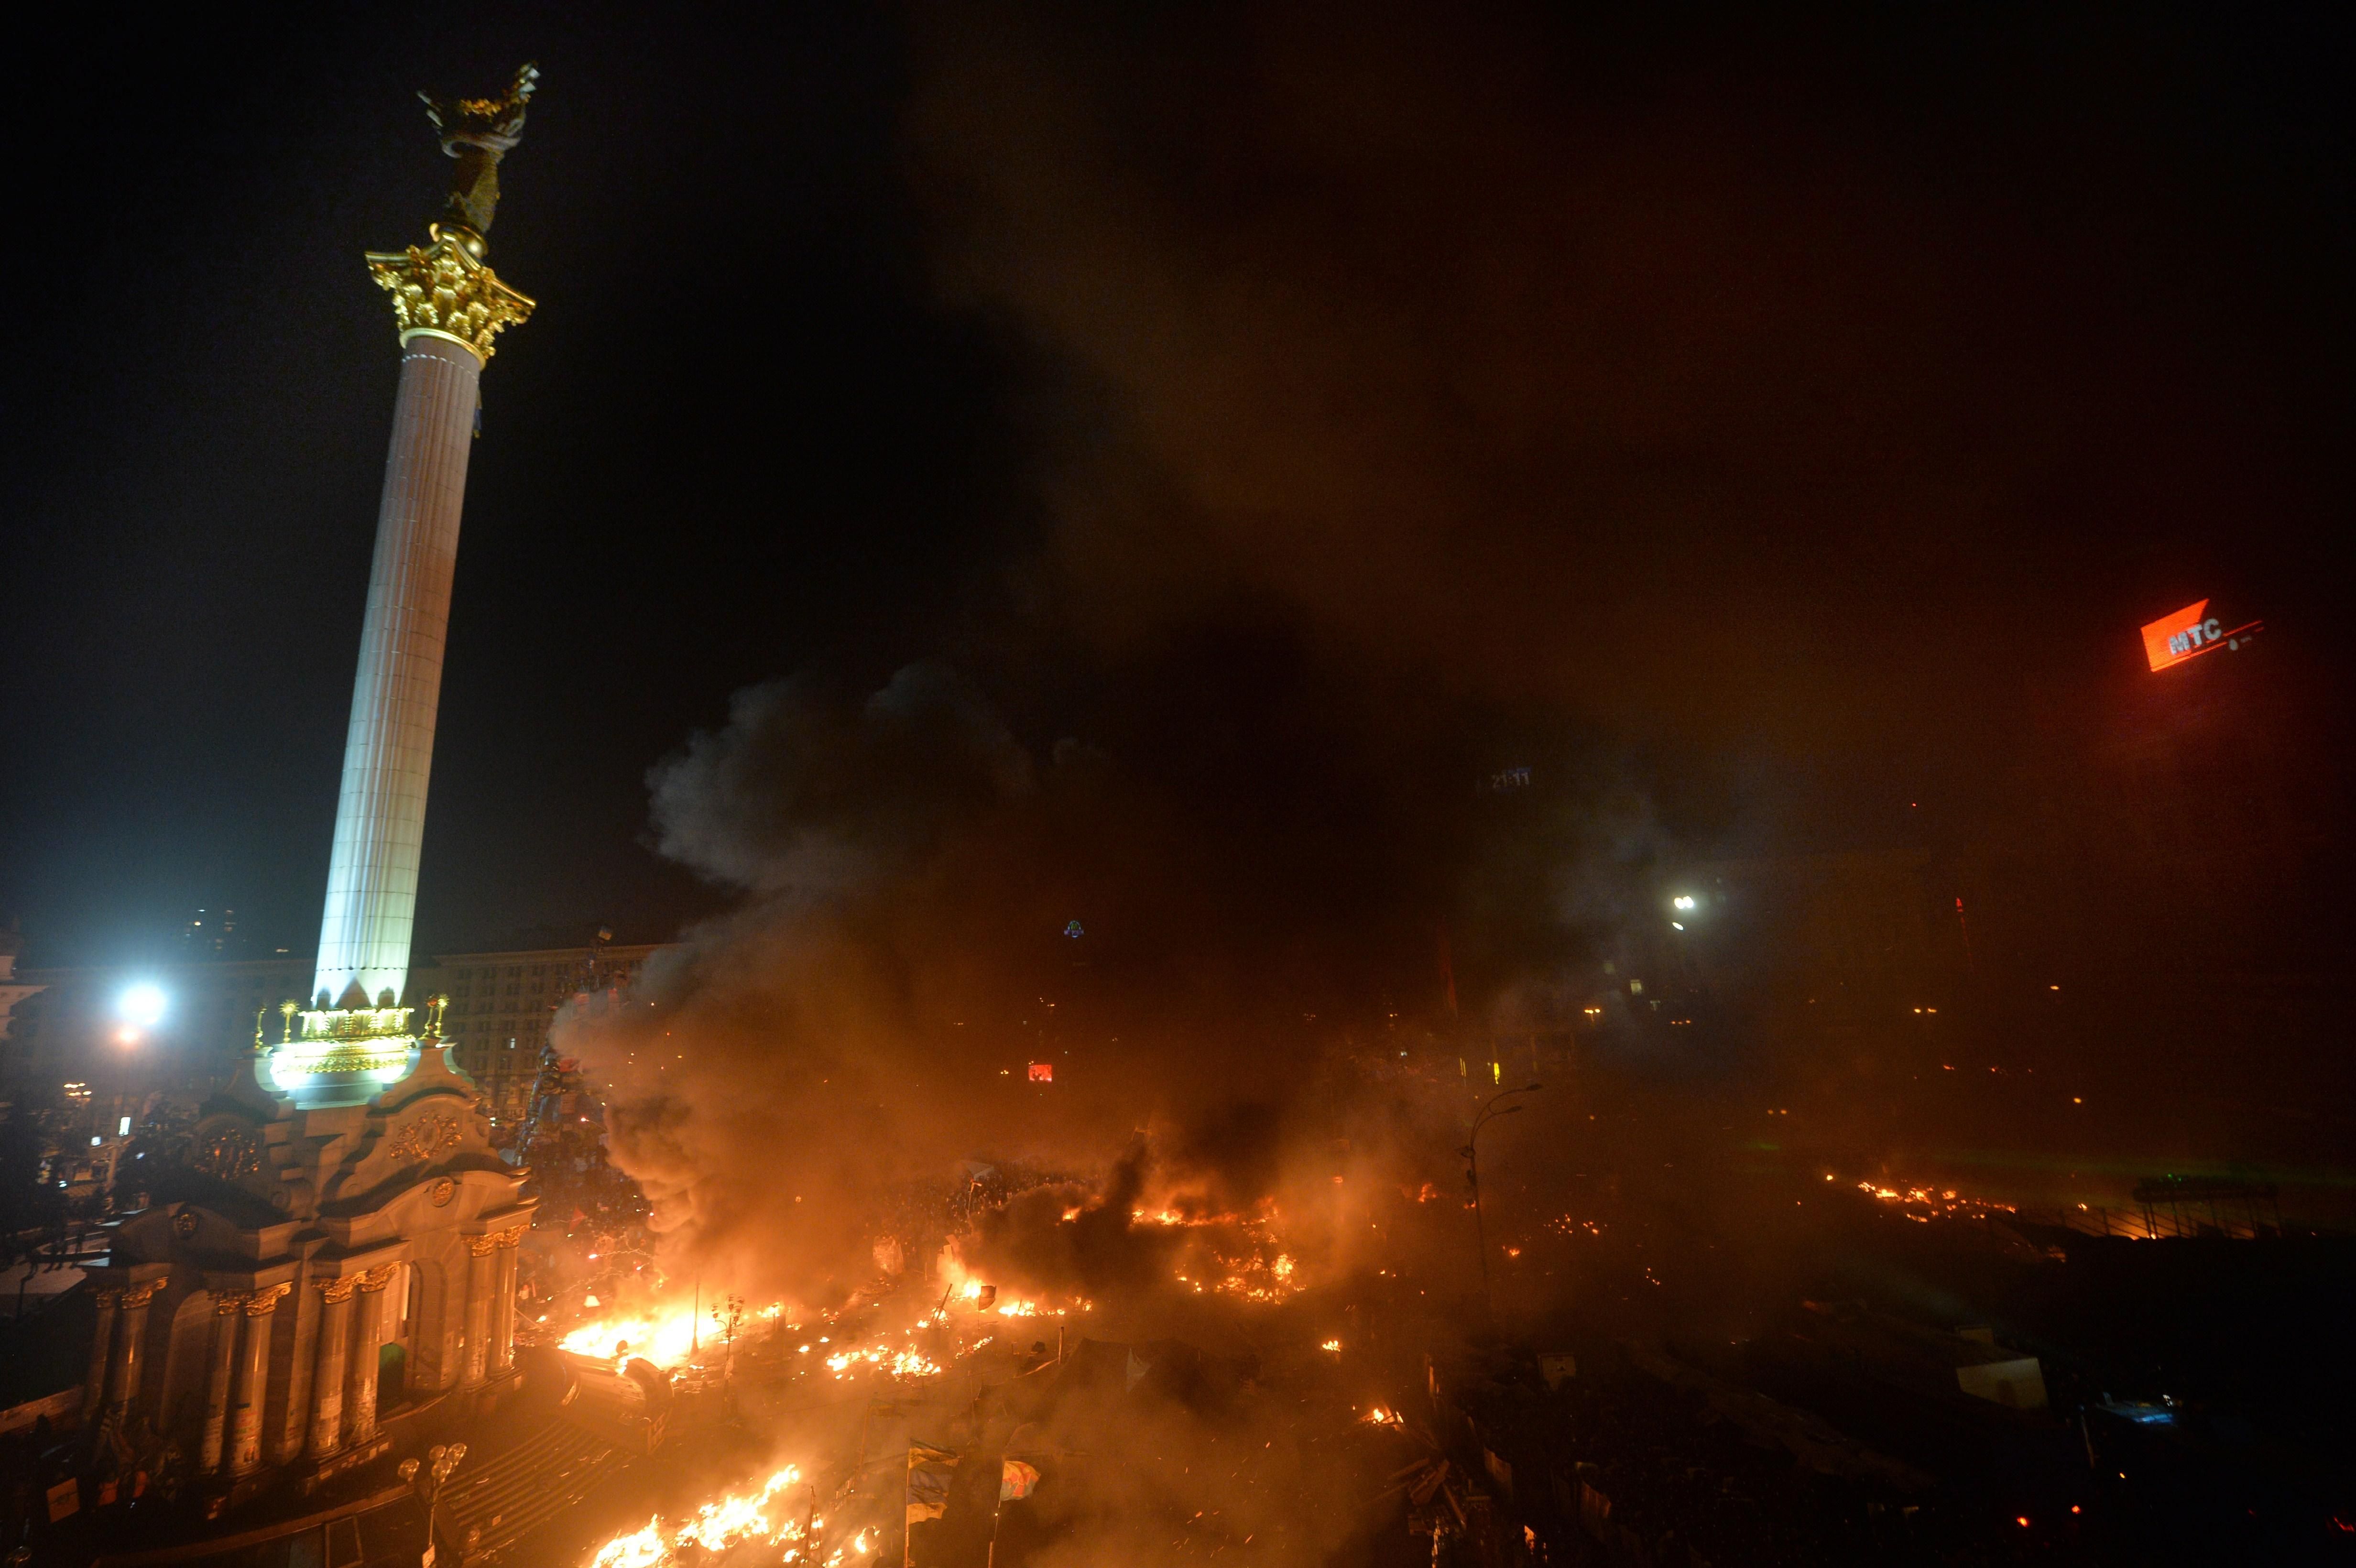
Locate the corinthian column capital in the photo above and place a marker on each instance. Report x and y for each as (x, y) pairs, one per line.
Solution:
(442, 289)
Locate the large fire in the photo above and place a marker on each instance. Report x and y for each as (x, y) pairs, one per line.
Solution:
(765, 1518)
(664, 1333)
(664, 1339)
(908, 1342)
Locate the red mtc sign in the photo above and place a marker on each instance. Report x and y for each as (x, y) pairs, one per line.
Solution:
(2188, 634)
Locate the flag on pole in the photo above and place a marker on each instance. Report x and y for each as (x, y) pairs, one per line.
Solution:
(1016, 1480)
(930, 1471)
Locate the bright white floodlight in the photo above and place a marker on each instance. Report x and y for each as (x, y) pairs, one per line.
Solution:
(142, 1006)
(1683, 900)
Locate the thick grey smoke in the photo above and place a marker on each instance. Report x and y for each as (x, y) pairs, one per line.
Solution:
(801, 797)
(788, 1066)
(1196, 920)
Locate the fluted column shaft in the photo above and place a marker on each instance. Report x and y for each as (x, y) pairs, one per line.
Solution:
(101, 1344)
(252, 1381)
(503, 1314)
(482, 1272)
(130, 1346)
(220, 1366)
(389, 748)
(328, 1380)
(368, 1348)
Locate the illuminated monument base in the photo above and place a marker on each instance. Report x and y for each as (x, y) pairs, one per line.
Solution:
(343, 1056)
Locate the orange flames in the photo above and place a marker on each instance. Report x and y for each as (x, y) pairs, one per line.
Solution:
(664, 1334)
(665, 1338)
(763, 1517)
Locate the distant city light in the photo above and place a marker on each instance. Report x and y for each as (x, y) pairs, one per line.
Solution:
(143, 1005)
(1684, 901)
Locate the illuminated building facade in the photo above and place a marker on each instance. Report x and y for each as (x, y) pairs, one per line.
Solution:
(344, 1238)
(502, 1004)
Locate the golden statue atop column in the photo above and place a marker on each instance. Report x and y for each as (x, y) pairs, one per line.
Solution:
(443, 286)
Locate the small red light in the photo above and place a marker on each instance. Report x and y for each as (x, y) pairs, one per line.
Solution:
(2022, 1520)
(2075, 1509)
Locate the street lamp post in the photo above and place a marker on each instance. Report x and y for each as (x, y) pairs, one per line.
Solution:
(443, 1460)
(1472, 1153)
(726, 1318)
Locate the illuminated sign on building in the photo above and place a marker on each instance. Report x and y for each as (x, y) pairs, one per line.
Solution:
(2190, 633)
(1043, 1073)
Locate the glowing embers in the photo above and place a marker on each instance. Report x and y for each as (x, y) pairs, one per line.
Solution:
(783, 1514)
(1231, 1254)
(1922, 1204)
(891, 1362)
(1381, 1416)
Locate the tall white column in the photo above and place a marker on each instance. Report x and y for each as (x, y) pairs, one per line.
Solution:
(388, 750)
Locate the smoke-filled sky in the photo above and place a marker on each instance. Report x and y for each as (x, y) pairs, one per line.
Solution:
(1792, 399)
(979, 468)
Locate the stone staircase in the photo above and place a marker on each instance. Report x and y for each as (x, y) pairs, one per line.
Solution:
(487, 1509)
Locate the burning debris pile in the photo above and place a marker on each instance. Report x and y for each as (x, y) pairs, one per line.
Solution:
(1110, 1240)
(781, 1516)
(953, 1416)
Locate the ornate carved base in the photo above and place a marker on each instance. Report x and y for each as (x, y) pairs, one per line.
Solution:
(335, 1465)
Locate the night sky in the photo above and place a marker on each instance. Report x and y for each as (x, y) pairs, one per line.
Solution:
(1801, 415)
